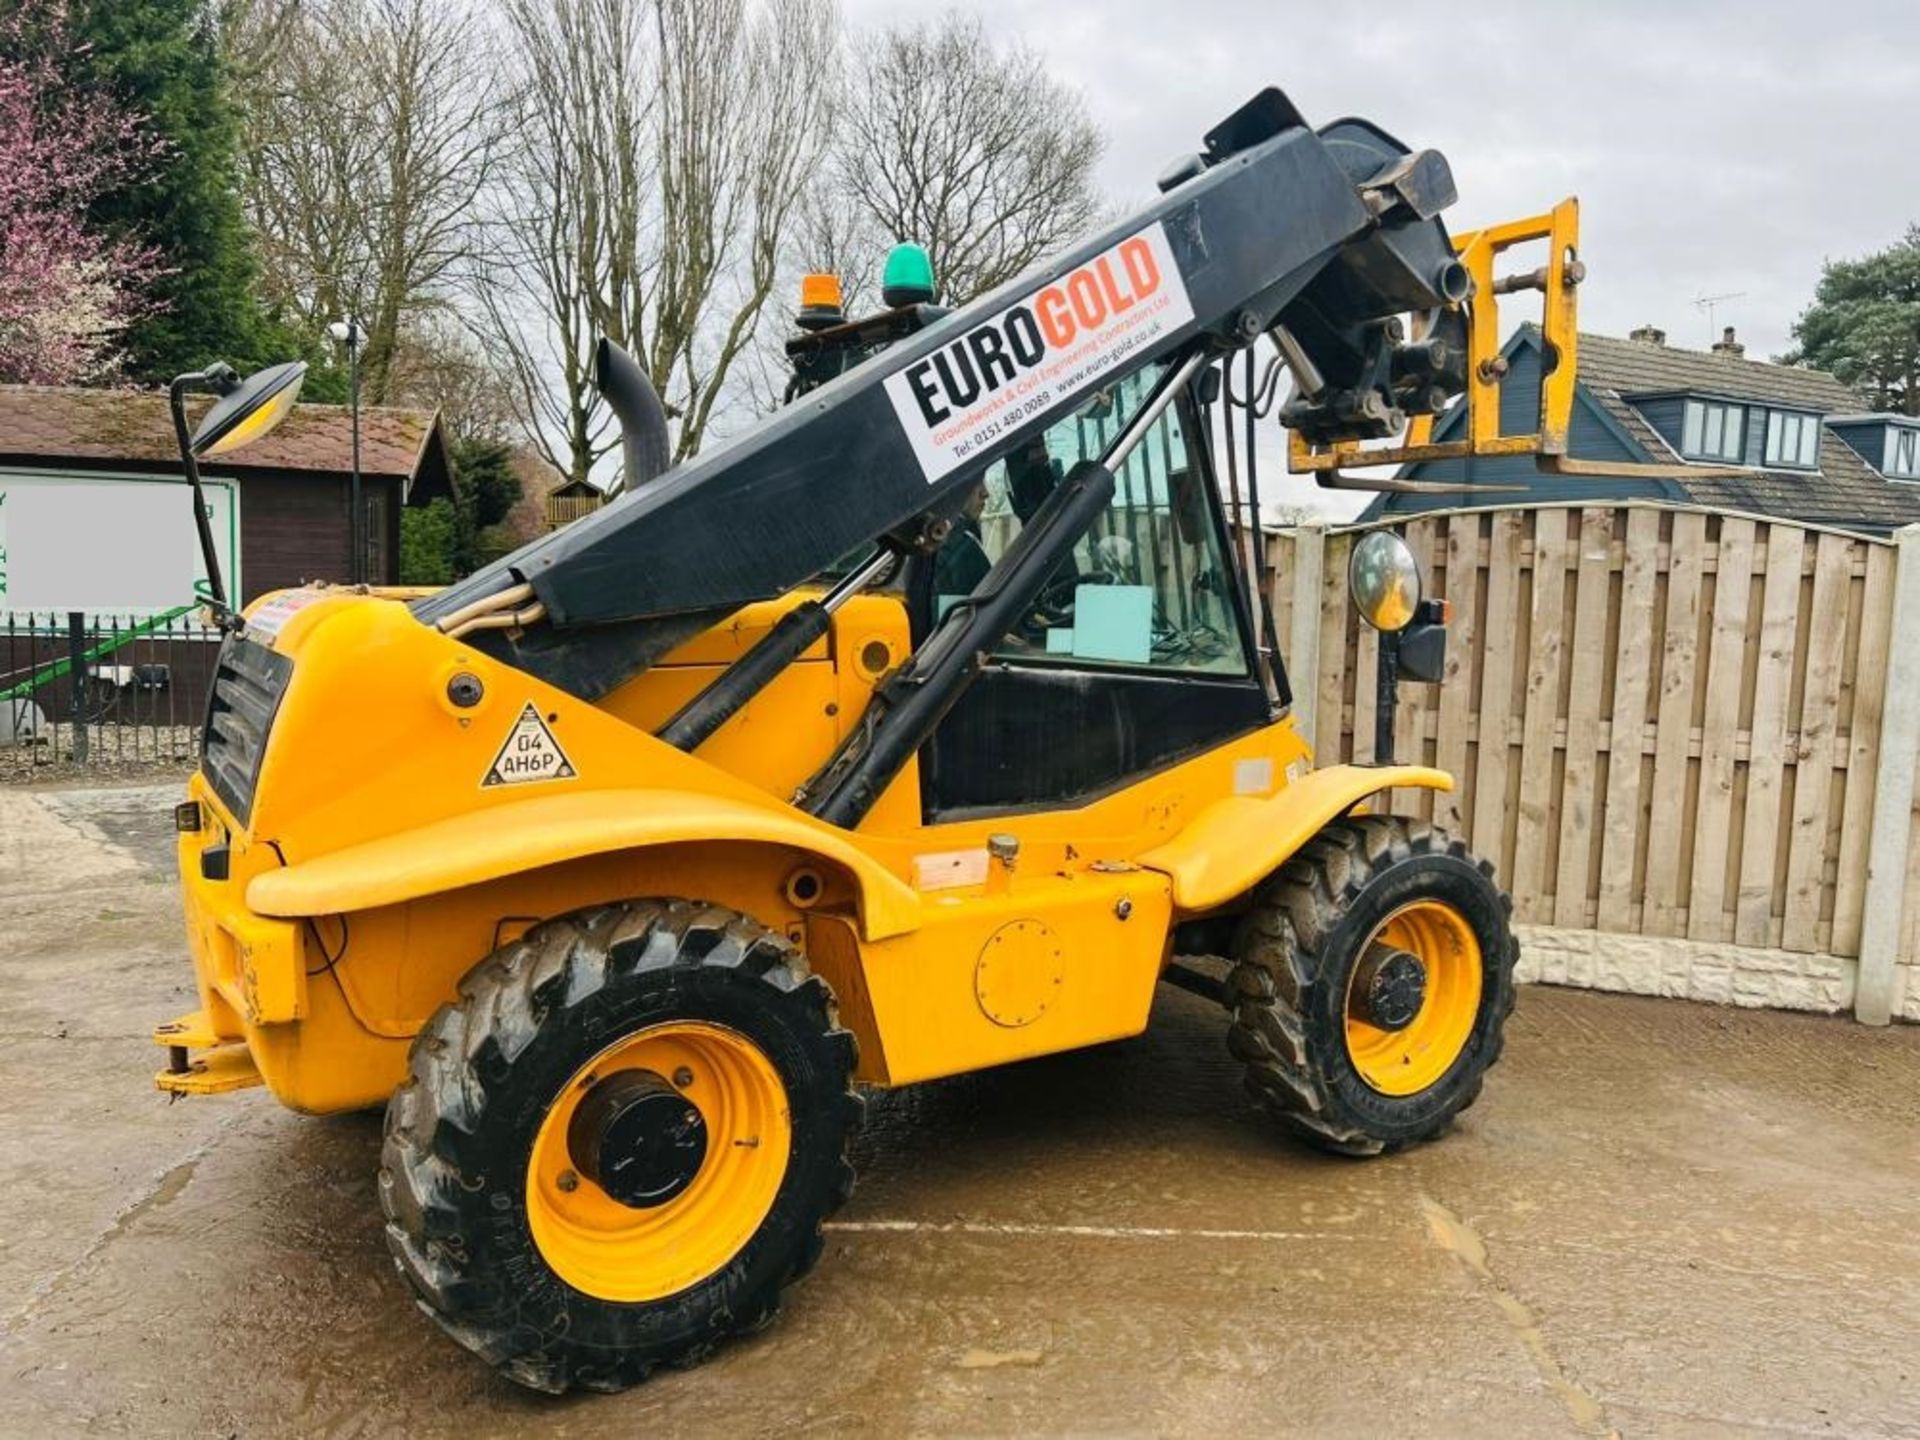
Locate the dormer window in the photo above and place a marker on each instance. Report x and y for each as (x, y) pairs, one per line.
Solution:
(1903, 453)
(1793, 440)
(1710, 430)
(1889, 443)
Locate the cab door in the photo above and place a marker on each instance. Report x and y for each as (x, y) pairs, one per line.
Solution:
(1138, 654)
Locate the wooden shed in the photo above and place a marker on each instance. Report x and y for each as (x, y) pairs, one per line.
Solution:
(281, 506)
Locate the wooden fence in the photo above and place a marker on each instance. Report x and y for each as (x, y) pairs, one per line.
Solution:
(1665, 722)
(565, 509)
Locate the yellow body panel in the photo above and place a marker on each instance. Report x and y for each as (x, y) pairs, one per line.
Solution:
(377, 866)
(468, 850)
(1228, 849)
(255, 962)
(1050, 963)
(777, 741)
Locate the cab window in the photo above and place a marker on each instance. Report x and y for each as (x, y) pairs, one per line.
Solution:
(1146, 585)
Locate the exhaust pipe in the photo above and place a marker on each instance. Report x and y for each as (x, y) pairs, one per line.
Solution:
(643, 419)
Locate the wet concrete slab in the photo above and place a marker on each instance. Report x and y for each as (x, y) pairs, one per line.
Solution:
(1661, 1219)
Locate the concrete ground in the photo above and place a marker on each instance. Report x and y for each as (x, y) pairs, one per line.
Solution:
(1661, 1219)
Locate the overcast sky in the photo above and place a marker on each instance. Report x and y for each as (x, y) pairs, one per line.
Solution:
(1717, 148)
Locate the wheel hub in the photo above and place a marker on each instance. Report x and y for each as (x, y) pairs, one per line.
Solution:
(1389, 987)
(638, 1138)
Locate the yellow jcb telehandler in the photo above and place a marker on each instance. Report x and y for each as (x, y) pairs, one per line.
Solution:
(917, 730)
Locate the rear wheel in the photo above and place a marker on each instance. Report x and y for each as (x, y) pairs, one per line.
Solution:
(1372, 978)
(620, 1143)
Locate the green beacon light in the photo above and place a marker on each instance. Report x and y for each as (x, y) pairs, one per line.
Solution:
(908, 277)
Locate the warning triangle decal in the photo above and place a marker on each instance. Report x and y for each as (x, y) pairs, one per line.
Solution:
(531, 753)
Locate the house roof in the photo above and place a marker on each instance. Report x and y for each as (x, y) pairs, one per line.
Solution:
(1875, 417)
(132, 428)
(1639, 367)
(1846, 491)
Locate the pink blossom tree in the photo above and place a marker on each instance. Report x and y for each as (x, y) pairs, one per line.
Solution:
(67, 290)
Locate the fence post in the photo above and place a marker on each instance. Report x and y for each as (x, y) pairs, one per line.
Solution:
(77, 682)
(1892, 829)
(1303, 645)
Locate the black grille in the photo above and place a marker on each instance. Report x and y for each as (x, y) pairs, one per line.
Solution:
(247, 685)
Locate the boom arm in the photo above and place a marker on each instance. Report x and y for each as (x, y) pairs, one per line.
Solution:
(1322, 234)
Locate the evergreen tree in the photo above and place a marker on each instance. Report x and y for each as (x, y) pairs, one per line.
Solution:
(1864, 325)
(447, 539)
(428, 540)
(162, 59)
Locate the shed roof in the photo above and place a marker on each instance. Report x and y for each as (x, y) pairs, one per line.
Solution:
(40, 424)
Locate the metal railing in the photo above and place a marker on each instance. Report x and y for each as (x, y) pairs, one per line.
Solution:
(102, 690)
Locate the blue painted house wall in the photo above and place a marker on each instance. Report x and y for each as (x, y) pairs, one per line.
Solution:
(1665, 413)
(1867, 438)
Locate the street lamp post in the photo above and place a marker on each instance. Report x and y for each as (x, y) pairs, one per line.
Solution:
(349, 333)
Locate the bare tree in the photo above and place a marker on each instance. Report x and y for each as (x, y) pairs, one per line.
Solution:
(973, 151)
(252, 35)
(374, 129)
(439, 365)
(665, 148)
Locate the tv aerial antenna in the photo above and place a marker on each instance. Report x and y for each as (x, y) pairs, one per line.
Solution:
(1706, 305)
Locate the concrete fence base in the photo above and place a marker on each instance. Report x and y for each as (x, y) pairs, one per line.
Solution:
(1701, 970)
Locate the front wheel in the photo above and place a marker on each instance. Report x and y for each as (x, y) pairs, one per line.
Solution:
(1372, 978)
(620, 1143)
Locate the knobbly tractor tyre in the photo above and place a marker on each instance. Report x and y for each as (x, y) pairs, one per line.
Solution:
(1372, 979)
(620, 1143)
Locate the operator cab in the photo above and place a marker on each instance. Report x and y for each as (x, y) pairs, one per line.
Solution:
(1141, 647)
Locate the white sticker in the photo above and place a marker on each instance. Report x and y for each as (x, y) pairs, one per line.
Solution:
(273, 613)
(950, 868)
(1253, 776)
(531, 753)
(1040, 350)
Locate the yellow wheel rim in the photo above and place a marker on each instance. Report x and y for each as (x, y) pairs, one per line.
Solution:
(618, 1252)
(1408, 1060)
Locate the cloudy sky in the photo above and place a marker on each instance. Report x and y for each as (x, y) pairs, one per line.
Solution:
(1717, 148)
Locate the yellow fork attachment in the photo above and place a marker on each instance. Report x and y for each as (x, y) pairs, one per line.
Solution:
(1557, 281)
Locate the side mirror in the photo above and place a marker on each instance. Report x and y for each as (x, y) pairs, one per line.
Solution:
(247, 409)
(1384, 580)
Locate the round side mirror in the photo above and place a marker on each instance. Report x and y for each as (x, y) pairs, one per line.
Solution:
(247, 409)
(1384, 581)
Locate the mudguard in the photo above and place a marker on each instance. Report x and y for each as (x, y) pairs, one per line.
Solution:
(507, 839)
(1236, 842)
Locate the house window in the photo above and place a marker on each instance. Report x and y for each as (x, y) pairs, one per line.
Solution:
(1712, 431)
(1903, 453)
(1793, 439)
